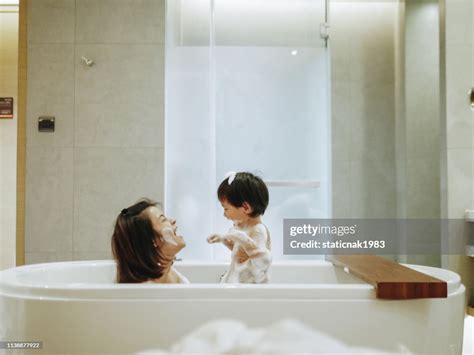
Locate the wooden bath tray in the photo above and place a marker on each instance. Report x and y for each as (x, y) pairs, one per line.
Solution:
(470, 310)
(390, 279)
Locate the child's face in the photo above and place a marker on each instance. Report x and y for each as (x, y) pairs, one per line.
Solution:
(235, 214)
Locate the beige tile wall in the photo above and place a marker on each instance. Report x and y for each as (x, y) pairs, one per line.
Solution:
(50, 92)
(120, 21)
(105, 178)
(363, 109)
(422, 121)
(459, 125)
(49, 204)
(107, 150)
(8, 133)
(385, 110)
(120, 95)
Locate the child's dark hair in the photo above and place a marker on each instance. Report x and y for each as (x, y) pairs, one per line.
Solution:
(246, 187)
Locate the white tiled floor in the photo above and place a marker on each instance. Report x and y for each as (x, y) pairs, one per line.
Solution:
(468, 346)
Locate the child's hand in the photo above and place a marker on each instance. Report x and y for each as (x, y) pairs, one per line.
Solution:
(215, 238)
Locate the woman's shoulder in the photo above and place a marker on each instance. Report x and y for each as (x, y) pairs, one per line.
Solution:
(181, 278)
(175, 277)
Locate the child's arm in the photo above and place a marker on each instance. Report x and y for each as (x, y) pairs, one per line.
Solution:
(236, 236)
(228, 243)
(217, 238)
(252, 245)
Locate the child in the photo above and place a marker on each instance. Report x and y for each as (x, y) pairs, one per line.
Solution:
(244, 198)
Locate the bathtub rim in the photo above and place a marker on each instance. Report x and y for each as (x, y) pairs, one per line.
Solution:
(10, 286)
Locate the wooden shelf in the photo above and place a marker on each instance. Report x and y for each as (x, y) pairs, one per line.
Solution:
(390, 279)
(470, 310)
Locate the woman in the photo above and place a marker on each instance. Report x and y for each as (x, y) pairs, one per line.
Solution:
(145, 244)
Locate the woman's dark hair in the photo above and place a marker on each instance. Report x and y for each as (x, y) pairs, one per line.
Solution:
(133, 245)
(246, 187)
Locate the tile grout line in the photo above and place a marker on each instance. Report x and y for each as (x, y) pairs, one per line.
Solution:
(73, 133)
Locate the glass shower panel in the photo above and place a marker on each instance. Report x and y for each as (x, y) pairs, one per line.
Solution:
(189, 181)
(271, 105)
(246, 89)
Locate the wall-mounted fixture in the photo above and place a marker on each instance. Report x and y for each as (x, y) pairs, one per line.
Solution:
(6, 107)
(471, 98)
(46, 123)
(469, 217)
(87, 61)
(324, 30)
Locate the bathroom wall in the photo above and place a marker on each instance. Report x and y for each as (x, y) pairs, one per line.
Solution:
(100, 158)
(363, 108)
(8, 133)
(422, 116)
(458, 124)
(385, 111)
(107, 150)
(418, 163)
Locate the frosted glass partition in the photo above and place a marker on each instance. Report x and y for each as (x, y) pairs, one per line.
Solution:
(247, 90)
(188, 140)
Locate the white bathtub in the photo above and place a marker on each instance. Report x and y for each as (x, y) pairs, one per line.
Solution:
(75, 307)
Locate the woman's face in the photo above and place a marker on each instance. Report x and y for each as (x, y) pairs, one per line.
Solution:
(170, 243)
